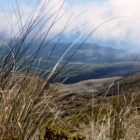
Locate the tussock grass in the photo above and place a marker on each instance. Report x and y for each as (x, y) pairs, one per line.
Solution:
(27, 104)
(30, 107)
(25, 109)
(114, 118)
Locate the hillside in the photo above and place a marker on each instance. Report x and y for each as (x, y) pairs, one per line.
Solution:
(92, 99)
(103, 71)
(109, 107)
(91, 61)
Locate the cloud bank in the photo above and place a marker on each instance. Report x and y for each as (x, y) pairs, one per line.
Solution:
(124, 28)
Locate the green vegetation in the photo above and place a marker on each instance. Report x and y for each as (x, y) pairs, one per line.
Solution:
(51, 134)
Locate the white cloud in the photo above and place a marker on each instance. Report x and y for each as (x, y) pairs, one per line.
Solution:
(122, 28)
(93, 14)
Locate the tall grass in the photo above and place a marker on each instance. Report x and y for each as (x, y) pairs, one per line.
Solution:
(28, 106)
(116, 118)
(27, 103)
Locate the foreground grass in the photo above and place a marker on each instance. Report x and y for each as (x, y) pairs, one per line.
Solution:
(106, 117)
(118, 118)
(28, 112)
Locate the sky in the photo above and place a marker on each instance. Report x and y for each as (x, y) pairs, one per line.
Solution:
(121, 29)
(5, 2)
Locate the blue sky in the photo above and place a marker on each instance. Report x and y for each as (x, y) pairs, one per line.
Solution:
(6, 2)
(3, 3)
